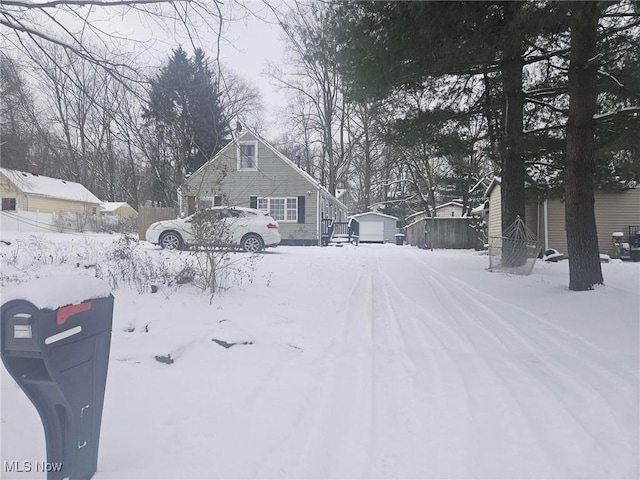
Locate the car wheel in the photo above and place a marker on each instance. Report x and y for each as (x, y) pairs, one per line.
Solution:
(252, 243)
(171, 241)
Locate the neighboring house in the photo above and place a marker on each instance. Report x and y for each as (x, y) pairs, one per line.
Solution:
(449, 209)
(30, 192)
(118, 209)
(249, 172)
(614, 212)
(375, 227)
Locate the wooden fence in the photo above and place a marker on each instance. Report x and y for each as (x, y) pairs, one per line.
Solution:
(442, 232)
(149, 215)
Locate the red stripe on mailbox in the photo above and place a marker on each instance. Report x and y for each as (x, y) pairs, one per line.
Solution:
(65, 312)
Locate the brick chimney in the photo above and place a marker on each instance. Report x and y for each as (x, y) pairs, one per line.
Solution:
(34, 169)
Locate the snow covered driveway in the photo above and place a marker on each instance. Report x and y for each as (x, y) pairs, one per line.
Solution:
(375, 361)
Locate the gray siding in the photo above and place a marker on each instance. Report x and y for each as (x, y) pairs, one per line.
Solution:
(442, 232)
(273, 177)
(415, 234)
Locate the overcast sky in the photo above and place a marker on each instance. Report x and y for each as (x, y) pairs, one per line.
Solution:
(254, 42)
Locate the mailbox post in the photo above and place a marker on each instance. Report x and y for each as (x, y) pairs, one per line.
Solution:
(59, 357)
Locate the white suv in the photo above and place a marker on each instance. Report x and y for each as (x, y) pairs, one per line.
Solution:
(250, 229)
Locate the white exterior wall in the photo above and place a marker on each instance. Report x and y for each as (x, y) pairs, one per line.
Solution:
(495, 213)
(449, 211)
(390, 224)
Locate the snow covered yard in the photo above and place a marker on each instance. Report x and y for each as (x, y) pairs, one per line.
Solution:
(376, 361)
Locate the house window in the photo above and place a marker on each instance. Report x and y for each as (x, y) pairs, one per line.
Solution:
(208, 202)
(248, 156)
(281, 209)
(8, 204)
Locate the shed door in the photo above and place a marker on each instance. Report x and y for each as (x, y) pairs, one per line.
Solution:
(372, 231)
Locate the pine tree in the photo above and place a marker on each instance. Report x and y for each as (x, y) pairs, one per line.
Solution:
(186, 114)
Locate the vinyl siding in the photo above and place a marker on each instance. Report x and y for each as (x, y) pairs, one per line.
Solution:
(7, 190)
(54, 205)
(449, 211)
(273, 178)
(495, 212)
(556, 228)
(614, 212)
(533, 218)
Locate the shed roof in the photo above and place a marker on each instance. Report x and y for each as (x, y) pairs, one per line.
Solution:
(457, 204)
(113, 206)
(359, 215)
(32, 184)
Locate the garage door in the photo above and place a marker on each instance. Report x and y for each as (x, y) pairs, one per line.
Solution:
(372, 231)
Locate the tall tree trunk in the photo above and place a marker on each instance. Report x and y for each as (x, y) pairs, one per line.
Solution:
(582, 239)
(513, 168)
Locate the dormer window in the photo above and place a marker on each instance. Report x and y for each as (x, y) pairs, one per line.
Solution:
(248, 155)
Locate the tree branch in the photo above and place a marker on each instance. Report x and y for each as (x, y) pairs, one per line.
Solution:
(84, 3)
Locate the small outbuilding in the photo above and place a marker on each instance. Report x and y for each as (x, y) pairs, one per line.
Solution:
(377, 227)
(118, 209)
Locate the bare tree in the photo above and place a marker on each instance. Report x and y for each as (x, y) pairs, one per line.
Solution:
(311, 72)
(78, 27)
(16, 114)
(241, 100)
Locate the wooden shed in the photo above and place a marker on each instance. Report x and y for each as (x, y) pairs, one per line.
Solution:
(377, 227)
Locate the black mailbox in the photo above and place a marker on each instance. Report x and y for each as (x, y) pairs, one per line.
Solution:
(59, 358)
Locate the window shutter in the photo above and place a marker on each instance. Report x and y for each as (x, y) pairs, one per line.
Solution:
(301, 209)
(253, 202)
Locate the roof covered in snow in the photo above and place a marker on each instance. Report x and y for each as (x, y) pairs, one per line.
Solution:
(457, 204)
(33, 184)
(113, 206)
(378, 214)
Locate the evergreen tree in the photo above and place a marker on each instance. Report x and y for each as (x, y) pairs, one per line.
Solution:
(391, 46)
(187, 118)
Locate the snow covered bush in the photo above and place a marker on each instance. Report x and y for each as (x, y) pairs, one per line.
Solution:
(216, 263)
(124, 262)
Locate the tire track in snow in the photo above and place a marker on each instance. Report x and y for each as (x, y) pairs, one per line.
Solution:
(340, 432)
(459, 393)
(414, 439)
(567, 392)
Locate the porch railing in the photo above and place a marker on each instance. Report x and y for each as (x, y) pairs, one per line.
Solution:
(332, 230)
